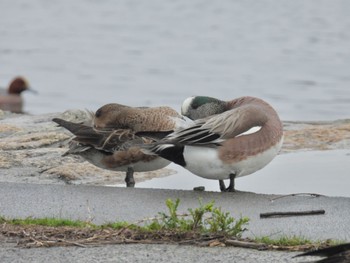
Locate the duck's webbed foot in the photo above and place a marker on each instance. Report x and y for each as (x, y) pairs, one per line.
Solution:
(129, 179)
(231, 187)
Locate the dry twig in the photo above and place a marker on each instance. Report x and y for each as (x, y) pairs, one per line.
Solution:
(292, 213)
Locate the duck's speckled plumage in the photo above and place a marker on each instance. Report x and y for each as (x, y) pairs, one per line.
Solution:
(140, 119)
(112, 139)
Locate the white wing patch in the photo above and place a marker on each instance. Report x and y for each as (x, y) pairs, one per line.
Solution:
(251, 131)
(181, 122)
(186, 105)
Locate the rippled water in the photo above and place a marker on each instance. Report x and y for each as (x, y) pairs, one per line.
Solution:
(85, 53)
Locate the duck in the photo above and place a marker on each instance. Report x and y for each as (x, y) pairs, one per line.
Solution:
(226, 139)
(334, 254)
(10, 98)
(112, 137)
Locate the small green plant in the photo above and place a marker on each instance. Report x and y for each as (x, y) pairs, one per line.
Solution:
(172, 220)
(169, 221)
(198, 214)
(205, 219)
(52, 222)
(222, 222)
(119, 225)
(293, 241)
(283, 241)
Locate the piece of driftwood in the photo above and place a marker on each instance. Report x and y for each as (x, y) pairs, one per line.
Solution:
(245, 244)
(292, 213)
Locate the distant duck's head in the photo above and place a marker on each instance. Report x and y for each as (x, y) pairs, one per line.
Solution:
(18, 85)
(199, 107)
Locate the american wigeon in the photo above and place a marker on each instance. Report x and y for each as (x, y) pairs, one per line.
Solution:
(227, 139)
(10, 99)
(334, 254)
(112, 141)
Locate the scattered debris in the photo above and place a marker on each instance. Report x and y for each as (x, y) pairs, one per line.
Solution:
(199, 188)
(296, 194)
(292, 213)
(33, 236)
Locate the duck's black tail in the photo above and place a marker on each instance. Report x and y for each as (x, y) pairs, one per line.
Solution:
(334, 254)
(84, 134)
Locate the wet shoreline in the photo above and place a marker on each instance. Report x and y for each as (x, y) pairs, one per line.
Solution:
(35, 181)
(31, 148)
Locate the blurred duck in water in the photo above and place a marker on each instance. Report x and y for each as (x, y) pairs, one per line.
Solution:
(10, 98)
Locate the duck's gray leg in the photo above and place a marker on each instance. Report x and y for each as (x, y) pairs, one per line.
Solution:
(129, 179)
(231, 187)
(222, 186)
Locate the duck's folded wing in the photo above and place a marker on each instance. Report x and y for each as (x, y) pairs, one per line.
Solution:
(217, 128)
(153, 136)
(236, 122)
(109, 141)
(195, 134)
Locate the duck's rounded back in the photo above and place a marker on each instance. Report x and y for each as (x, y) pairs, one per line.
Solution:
(137, 119)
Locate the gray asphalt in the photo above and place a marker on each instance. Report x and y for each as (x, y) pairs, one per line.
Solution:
(107, 204)
(143, 254)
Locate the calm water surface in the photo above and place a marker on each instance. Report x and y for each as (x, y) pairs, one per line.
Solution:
(325, 173)
(83, 54)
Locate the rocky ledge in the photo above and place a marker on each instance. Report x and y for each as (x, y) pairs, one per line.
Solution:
(31, 148)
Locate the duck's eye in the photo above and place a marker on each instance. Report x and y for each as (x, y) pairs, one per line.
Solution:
(98, 113)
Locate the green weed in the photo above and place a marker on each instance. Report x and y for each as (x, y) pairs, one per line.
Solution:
(204, 219)
(52, 222)
(291, 241)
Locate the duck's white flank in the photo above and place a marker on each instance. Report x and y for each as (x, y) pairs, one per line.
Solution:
(205, 162)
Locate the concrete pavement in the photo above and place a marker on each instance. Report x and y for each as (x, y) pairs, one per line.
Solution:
(107, 204)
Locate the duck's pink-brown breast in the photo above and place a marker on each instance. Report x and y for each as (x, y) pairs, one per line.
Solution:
(259, 113)
(11, 102)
